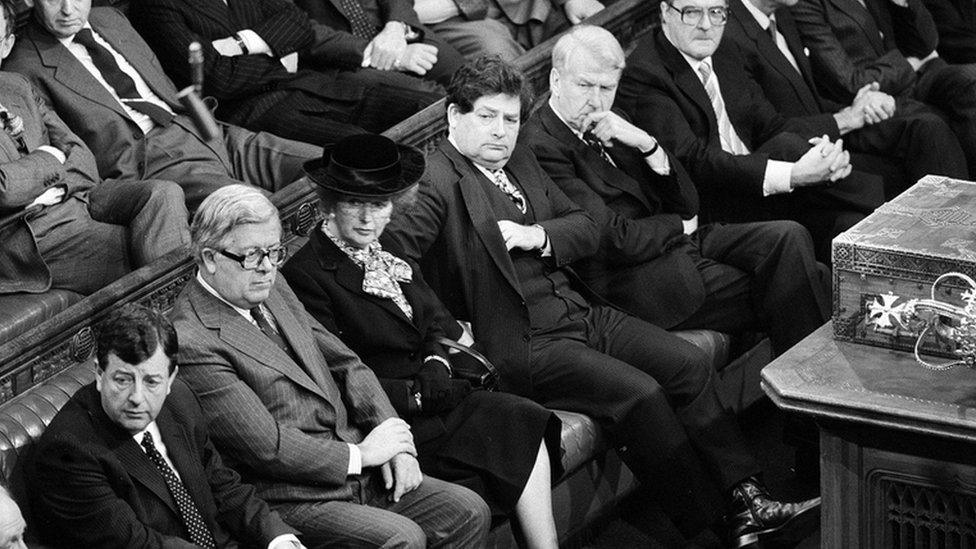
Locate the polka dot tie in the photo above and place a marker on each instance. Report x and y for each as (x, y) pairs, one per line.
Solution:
(358, 20)
(199, 533)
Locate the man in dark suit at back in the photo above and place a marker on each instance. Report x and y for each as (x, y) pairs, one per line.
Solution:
(127, 462)
(654, 261)
(382, 34)
(494, 236)
(103, 80)
(749, 163)
(911, 136)
(270, 72)
(893, 43)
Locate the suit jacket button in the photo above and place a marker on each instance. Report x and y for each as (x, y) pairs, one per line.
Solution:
(526, 337)
(137, 134)
(141, 165)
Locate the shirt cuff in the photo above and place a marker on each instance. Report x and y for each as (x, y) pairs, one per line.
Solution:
(442, 360)
(777, 178)
(546, 250)
(355, 460)
(282, 540)
(255, 44)
(53, 151)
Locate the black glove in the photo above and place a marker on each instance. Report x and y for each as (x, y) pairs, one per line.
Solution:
(401, 395)
(433, 382)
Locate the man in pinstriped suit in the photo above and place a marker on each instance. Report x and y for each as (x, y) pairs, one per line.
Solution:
(291, 407)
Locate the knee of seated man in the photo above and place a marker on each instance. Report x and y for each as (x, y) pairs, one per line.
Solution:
(407, 536)
(162, 192)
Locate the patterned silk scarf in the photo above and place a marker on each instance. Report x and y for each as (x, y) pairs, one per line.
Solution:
(382, 271)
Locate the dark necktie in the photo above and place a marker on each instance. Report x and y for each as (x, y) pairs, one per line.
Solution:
(123, 85)
(594, 143)
(267, 326)
(192, 520)
(358, 20)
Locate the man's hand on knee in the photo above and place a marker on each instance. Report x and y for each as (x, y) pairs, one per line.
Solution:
(386, 440)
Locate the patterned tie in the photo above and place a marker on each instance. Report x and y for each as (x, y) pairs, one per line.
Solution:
(123, 85)
(358, 20)
(594, 143)
(731, 142)
(192, 520)
(500, 179)
(267, 325)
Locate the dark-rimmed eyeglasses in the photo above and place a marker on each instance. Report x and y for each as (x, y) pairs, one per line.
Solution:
(692, 15)
(255, 256)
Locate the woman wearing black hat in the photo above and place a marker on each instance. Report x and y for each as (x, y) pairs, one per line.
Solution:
(497, 444)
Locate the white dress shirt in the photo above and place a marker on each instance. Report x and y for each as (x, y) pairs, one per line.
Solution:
(776, 178)
(81, 53)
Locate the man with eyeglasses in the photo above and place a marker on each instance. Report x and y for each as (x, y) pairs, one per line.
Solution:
(748, 162)
(291, 407)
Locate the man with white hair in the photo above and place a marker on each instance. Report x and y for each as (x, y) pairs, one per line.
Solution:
(291, 407)
(653, 258)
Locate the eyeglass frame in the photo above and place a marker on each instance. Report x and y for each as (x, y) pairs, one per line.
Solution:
(263, 253)
(702, 11)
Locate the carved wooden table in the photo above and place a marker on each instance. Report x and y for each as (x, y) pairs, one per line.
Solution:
(897, 442)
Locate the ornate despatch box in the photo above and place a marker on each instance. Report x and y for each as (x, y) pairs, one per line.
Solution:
(895, 254)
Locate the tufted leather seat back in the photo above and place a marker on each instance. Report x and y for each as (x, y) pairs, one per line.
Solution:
(23, 419)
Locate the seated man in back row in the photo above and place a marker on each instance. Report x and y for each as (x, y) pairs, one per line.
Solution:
(653, 259)
(748, 162)
(127, 462)
(270, 72)
(292, 407)
(107, 85)
(64, 228)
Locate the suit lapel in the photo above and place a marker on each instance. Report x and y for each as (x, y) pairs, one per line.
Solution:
(126, 449)
(787, 27)
(768, 49)
(479, 210)
(300, 338)
(864, 19)
(687, 81)
(217, 11)
(69, 71)
(240, 334)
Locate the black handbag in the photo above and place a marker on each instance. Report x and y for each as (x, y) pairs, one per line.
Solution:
(480, 372)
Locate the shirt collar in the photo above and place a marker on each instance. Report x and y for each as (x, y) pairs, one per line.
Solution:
(696, 63)
(243, 312)
(152, 429)
(760, 17)
(552, 105)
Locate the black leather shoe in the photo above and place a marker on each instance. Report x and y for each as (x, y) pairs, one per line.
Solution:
(756, 518)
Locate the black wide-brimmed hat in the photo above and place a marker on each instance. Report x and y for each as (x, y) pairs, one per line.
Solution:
(366, 165)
